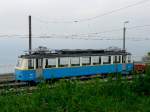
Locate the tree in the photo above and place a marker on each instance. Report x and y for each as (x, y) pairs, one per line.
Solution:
(148, 53)
(146, 59)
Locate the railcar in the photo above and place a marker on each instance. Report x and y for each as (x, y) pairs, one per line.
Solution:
(45, 64)
(139, 68)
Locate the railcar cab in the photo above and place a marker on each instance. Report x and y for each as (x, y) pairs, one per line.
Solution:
(30, 66)
(29, 69)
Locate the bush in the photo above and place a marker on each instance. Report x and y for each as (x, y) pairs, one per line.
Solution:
(72, 96)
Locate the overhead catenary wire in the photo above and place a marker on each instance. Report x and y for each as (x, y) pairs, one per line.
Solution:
(87, 38)
(102, 38)
(80, 34)
(140, 26)
(113, 30)
(95, 17)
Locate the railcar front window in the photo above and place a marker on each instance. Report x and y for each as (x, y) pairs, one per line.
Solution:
(19, 63)
(24, 64)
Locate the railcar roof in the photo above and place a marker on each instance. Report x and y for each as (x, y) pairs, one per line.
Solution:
(73, 53)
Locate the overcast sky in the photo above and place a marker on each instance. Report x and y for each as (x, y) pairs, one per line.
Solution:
(13, 15)
(14, 20)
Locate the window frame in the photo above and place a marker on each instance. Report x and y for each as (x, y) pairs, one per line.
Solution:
(61, 65)
(96, 63)
(75, 64)
(86, 64)
(108, 61)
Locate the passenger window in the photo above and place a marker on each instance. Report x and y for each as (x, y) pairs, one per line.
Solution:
(129, 59)
(50, 63)
(96, 60)
(124, 58)
(86, 60)
(39, 63)
(63, 62)
(75, 61)
(106, 59)
(30, 64)
(116, 59)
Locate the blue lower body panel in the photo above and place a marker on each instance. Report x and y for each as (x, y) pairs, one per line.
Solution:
(25, 75)
(30, 75)
(84, 70)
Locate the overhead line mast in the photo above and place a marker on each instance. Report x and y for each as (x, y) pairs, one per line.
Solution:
(124, 47)
(30, 35)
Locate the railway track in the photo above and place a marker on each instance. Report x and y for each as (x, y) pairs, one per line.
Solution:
(7, 77)
(8, 81)
(12, 84)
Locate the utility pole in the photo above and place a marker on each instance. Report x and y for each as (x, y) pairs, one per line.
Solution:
(124, 36)
(124, 48)
(30, 35)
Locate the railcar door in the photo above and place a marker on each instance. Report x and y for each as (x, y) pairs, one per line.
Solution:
(39, 69)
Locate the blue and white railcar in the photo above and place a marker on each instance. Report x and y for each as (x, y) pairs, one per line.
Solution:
(71, 63)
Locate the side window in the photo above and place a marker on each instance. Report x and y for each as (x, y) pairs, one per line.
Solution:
(50, 63)
(75, 61)
(129, 58)
(86, 60)
(30, 63)
(96, 60)
(63, 62)
(39, 63)
(116, 59)
(106, 59)
(124, 59)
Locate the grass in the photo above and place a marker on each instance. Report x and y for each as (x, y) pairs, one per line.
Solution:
(76, 96)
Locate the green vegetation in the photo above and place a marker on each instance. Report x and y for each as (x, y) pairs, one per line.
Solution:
(148, 53)
(77, 96)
